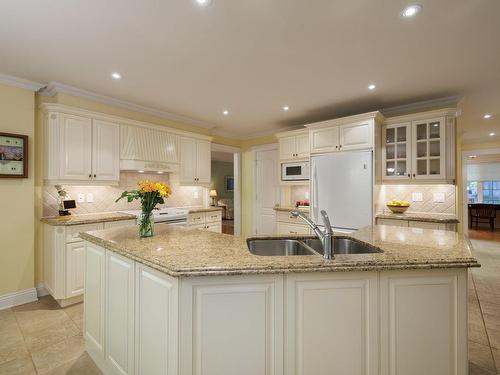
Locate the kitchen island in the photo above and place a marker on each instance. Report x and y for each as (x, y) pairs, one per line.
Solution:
(195, 302)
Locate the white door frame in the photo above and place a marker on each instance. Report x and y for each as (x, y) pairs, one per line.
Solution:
(465, 207)
(255, 149)
(237, 181)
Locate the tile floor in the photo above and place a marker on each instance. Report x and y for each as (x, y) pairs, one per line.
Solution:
(41, 338)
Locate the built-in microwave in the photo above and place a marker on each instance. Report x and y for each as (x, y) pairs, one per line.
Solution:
(295, 171)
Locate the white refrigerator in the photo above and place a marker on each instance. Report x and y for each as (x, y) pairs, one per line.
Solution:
(342, 185)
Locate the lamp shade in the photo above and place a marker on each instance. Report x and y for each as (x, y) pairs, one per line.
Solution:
(213, 193)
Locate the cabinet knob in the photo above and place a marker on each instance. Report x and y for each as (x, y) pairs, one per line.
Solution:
(95, 175)
(409, 175)
(90, 175)
(340, 146)
(413, 175)
(336, 147)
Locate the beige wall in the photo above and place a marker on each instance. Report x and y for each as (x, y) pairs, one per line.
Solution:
(17, 233)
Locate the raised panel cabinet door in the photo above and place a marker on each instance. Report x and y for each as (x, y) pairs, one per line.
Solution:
(156, 323)
(94, 306)
(188, 153)
(203, 162)
(75, 268)
(232, 325)
(302, 145)
(287, 148)
(331, 324)
(119, 313)
(106, 151)
(423, 323)
(396, 152)
(75, 148)
(324, 140)
(356, 136)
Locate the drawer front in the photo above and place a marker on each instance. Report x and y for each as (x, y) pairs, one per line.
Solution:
(213, 216)
(293, 229)
(73, 230)
(286, 217)
(196, 218)
(214, 227)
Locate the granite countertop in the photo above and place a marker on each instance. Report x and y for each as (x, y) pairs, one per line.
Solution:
(290, 208)
(183, 252)
(419, 216)
(204, 209)
(86, 218)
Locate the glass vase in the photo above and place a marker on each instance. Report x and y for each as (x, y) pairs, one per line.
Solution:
(146, 225)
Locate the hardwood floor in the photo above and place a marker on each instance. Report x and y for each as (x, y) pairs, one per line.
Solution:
(485, 234)
(228, 226)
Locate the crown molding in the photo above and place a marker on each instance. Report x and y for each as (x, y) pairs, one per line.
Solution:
(20, 82)
(448, 101)
(54, 88)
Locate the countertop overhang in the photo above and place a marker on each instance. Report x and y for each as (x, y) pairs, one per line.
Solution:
(182, 252)
(419, 216)
(80, 219)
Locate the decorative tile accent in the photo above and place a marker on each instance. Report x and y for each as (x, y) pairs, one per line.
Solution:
(384, 193)
(105, 196)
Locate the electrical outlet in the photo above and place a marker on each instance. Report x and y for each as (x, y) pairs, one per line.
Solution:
(417, 197)
(439, 197)
(90, 197)
(80, 198)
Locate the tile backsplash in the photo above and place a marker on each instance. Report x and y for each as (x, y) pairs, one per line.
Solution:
(445, 194)
(105, 196)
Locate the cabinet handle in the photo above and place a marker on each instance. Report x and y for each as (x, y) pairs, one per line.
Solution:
(292, 232)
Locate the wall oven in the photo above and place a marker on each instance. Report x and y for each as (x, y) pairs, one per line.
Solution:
(295, 171)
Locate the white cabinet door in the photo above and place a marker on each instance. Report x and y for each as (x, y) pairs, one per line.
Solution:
(214, 227)
(203, 162)
(232, 325)
(331, 324)
(75, 268)
(396, 152)
(287, 148)
(95, 297)
(156, 323)
(429, 149)
(423, 322)
(106, 151)
(75, 148)
(188, 161)
(289, 228)
(356, 136)
(302, 145)
(324, 140)
(119, 313)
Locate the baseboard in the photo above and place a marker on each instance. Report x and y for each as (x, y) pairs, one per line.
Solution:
(18, 298)
(41, 290)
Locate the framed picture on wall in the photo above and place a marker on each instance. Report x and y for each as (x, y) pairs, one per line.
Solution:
(13, 155)
(229, 184)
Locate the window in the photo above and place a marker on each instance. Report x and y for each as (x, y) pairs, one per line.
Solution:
(491, 192)
(472, 192)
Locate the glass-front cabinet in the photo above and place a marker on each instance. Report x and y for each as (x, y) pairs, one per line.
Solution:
(419, 148)
(397, 151)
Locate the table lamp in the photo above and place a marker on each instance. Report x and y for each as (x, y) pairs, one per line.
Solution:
(213, 195)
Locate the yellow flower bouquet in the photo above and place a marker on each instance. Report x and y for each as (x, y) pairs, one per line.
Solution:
(150, 193)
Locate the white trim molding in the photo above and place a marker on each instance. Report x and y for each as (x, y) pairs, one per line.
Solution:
(54, 88)
(18, 298)
(20, 82)
(41, 290)
(448, 101)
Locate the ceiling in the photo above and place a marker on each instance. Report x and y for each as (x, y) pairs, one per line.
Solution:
(254, 57)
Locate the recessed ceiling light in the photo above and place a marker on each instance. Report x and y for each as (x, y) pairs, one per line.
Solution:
(487, 116)
(411, 11)
(116, 75)
(225, 112)
(286, 108)
(371, 87)
(203, 2)
(492, 134)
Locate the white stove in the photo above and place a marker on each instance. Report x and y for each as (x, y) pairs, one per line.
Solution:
(165, 215)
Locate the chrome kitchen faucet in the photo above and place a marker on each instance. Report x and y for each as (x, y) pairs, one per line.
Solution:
(325, 238)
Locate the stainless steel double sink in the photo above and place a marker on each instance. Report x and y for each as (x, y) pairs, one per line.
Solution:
(306, 246)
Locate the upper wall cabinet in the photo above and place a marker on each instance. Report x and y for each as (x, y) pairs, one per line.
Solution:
(344, 134)
(419, 147)
(79, 148)
(195, 162)
(294, 144)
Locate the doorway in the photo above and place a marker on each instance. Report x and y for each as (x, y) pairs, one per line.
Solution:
(266, 189)
(481, 196)
(224, 189)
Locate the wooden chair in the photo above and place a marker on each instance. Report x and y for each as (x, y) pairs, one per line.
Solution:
(482, 213)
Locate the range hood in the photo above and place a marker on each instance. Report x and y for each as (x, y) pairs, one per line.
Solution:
(148, 150)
